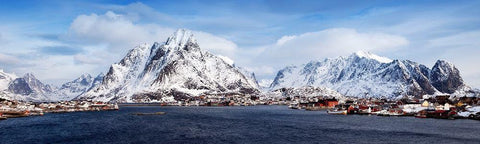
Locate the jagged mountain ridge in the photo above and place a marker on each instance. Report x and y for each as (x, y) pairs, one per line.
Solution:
(365, 74)
(29, 88)
(74, 88)
(26, 88)
(175, 69)
(5, 79)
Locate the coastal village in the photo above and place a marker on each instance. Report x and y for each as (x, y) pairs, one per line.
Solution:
(15, 109)
(430, 106)
(435, 106)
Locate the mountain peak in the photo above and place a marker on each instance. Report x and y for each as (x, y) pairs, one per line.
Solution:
(85, 76)
(29, 75)
(443, 63)
(173, 70)
(100, 75)
(368, 55)
(180, 38)
(446, 77)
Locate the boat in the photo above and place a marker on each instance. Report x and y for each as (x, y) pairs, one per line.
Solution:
(337, 112)
(2, 117)
(294, 106)
(439, 114)
(15, 114)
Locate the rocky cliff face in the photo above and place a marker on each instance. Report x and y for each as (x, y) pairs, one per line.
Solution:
(364, 74)
(175, 69)
(29, 88)
(445, 77)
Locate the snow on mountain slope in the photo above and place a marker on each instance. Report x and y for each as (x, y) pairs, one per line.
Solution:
(29, 88)
(369, 55)
(365, 74)
(250, 76)
(176, 69)
(74, 88)
(5, 79)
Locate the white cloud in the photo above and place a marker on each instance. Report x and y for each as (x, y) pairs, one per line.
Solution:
(105, 39)
(261, 70)
(8, 59)
(285, 39)
(328, 43)
(462, 49)
(215, 44)
(464, 39)
(2, 40)
(116, 30)
(121, 33)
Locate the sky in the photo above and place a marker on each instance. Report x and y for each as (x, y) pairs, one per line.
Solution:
(59, 40)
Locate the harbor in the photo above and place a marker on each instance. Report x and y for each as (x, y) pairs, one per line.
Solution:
(434, 106)
(437, 106)
(16, 109)
(237, 124)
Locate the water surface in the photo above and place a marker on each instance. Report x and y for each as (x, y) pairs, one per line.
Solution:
(258, 124)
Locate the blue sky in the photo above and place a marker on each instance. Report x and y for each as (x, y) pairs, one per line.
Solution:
(60, 40)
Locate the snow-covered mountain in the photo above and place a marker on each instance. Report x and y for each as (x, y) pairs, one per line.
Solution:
(175, 69)
(26, 88)
(5, 79)
(252, 80)
(74, 88)
(29, 88)
(366, 74)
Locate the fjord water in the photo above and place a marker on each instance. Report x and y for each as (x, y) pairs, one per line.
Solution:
(257, 124)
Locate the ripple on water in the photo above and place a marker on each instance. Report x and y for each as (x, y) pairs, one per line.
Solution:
(259, 124)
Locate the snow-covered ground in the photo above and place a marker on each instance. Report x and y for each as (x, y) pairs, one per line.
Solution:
(415, 108)
(470, 110)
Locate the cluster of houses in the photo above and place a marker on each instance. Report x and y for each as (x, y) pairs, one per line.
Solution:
(438, 106)
(218, 100)
(432, 106)
(12, 109)
(312, 103)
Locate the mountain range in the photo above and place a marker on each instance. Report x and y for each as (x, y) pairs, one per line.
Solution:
(178, 69)
(169, 71)
(364, 74)
(29, 88)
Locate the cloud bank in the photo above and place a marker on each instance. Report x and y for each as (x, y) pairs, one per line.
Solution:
(263, 37)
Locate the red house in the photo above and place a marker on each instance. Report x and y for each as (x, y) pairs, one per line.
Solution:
(331, 102)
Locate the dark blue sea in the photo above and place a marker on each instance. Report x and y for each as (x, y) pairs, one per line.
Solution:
(257, 124)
